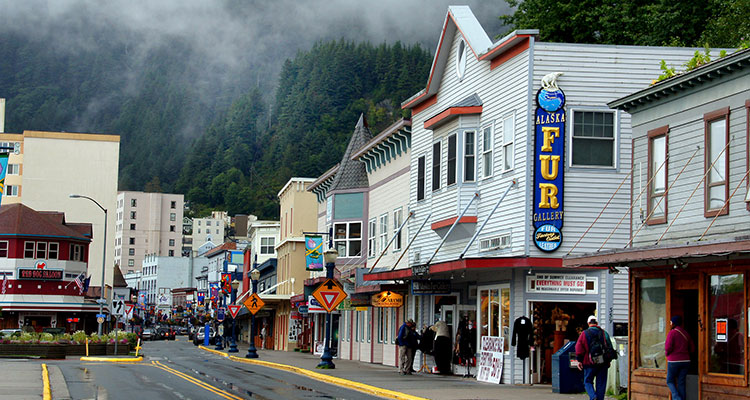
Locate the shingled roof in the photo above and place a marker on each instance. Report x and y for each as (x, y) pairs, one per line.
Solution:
(20, 220)
(352, 173)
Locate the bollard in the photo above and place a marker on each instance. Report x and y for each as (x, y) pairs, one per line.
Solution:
(87, 347)
(137, 347)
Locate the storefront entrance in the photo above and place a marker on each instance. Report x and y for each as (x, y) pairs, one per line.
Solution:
(684, 302)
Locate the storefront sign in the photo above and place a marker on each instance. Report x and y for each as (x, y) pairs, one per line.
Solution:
(40, 274)
(721, 330)
(313, 306)
(549, 152)
(314, 253)
(435, 286)
(295, 315)
(491, 359)
(358, 300)
(387, 298)
(345, 305)
(420, 270)
(557, 283)
(302, 310)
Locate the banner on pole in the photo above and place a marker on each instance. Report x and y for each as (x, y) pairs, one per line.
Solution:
(3, 169)
(314, 253)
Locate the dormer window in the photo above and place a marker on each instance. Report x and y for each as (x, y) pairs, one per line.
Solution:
(461, 60)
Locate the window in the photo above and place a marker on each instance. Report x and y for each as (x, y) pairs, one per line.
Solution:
(657, 172)
(131, 241)
(13, 169)
(347, 238)
(368, 323)
(509, 132)
(172, 216)
(393, 327)
(172, 228)
(131, 252)
(132, 227)
(199, 222)
(420, 178)
(716, 186)
(436, 165)
(725, 305)
(28, 249)
(173, 204)
(593, 139)
(379, 316)
(266, 245)
(4, 249)
(53, 251)
(451, 160)
(171, 242)
(461, 60)
(208, 223)
(469, 156)
(397, 221)
(217, 231)
(371, 238)
(132, 215)
(487, 152)
(494, 313)
(199, 230)
(652, 307)
(11, 190)
(41, 250)
(171, 253)
(76, 252)
(133, 203)
(131, 263)
(383, 232)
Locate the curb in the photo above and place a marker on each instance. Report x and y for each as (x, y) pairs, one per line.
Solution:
(46, 391)
(114, 360)
(361, 387)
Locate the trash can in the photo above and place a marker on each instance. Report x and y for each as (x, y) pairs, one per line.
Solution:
(566, 378)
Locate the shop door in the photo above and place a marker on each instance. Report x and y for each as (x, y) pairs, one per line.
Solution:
(684, 302)
(452, 315)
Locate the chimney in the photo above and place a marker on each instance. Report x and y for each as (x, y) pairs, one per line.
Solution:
(2, 115)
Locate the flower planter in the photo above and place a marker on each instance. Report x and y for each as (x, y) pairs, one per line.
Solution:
(33, 350)
(123, 349)
(97, 349)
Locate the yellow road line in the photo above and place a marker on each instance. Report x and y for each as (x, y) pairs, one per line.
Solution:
(115, 360)
(196, 382)
(217, 352)
(46, 393)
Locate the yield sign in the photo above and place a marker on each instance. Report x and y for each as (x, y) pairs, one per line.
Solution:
(254, 303)
(129, 311)
(329, 294)
(234, 310)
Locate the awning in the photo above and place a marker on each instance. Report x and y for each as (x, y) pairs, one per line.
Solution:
(52, 303)
(466, 263)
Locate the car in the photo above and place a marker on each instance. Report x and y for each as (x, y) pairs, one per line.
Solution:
(147, 334)
(201, 333)
(183, 330)
(10, 332)
(165, 333)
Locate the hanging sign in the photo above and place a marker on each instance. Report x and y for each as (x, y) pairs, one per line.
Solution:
(226, 283)
(428, 287)
(549, 159)
(721, 330)
(314, 253)
(387, 298)
(220, 314)
(490, 366)
(3, 169)
(201, 297)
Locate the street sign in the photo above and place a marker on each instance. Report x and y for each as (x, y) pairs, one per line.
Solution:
(220, 314)
(118, 307)
(100, 320)
(329, 294)
(234, 309)
(101, 315)
(129, 311)
(254, 303)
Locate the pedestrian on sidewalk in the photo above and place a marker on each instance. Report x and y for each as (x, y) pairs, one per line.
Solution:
(412, 344)
(591, 349)
(677, 348)
(442, 349)
(402, 340)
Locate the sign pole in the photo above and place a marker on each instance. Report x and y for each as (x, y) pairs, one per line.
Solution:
(326, 360)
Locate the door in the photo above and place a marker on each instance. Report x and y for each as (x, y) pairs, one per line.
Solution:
(684, 302)
(452, 315)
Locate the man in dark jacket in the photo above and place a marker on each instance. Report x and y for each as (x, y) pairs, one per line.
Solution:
(402, 340)
(591, 370)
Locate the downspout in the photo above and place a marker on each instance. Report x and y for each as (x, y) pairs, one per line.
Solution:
(473, 238)
(452, 227)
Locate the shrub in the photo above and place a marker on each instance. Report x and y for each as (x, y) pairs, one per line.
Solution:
(79, 336)
(46, 337)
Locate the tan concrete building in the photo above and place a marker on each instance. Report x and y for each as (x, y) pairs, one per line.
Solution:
(209, 229)
(298, 214)
(147, 224)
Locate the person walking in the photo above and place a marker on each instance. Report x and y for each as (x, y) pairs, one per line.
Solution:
(412, 344)
(590, 352)
(677, 348)
(402, 340)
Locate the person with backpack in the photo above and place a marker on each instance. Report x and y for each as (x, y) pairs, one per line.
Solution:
(405, 351)
(677, 348)
(594, 352)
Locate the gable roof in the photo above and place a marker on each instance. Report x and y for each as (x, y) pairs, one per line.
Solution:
(20, 220)
(219, 249)
(461, 19)
(352, 174)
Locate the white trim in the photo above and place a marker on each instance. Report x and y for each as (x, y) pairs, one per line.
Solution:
(464, 155)
(509, 143)
(615, 137)
(485, 150)
(499, 288)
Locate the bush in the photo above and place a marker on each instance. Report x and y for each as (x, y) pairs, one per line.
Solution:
(79, 336)
(46, 337)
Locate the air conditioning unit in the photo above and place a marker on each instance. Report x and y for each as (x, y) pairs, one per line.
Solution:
(495, 243)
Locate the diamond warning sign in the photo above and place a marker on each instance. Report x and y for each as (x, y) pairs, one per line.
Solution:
(329, 294)
(254, 303)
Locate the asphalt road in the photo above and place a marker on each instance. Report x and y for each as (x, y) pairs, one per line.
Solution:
(178, 370)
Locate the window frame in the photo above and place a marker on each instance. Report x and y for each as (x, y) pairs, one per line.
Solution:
(398, 219)
(12, 190)
(461, 55)
(266, 246)
(4, 248)
(487, 150)
(372, 229)
(509, 140)
(451, 162)
(29, 247)
(50, 245)
(437, 149)
(652, 135)
(14, 169)
(718, 377)
(347, 239)
(383, 232)
(709, 118)
(420, 178)
(615, 137)
(469, 160)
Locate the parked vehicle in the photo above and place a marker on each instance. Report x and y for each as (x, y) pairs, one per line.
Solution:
(54, 331)
(147, 334)
(182, 330)
(10, 332)
(201, 333)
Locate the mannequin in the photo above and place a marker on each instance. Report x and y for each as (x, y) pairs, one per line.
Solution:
(523, 338)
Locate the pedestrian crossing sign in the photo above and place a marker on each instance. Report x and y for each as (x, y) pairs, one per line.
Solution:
(329, 294)
(254, 303)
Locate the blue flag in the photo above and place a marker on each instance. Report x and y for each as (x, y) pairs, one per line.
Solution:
(3, 169)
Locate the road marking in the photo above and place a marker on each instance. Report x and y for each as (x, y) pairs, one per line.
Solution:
(196, 382)
(46, 393)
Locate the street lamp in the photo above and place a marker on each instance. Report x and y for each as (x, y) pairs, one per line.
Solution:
(104, 254)
(252, 352)
(326, 360)
(233, 344)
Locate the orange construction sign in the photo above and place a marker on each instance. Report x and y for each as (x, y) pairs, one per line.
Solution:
(254, 303)
(329, 294)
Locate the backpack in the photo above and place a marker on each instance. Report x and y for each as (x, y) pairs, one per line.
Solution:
(600, 349)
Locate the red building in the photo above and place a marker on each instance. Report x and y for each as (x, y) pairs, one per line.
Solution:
(41, 255)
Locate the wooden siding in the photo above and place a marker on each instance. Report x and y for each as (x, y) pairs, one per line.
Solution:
(684, 115)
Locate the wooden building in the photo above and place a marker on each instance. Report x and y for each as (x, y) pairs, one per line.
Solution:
(689, 252)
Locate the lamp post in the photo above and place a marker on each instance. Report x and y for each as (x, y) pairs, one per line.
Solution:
(326, 360)
(252, 352)
(233, 344)
(104, 254)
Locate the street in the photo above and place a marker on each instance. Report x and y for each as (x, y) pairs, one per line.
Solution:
(178, 370)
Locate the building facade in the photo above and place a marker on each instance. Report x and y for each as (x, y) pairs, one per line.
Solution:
(209, 229)
(147, 224)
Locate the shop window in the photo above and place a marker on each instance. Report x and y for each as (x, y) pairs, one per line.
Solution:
(420, 178)
(487, 152)
(469, 156)
(359, 327)
(451, 161)
(397, 221)
(371, 238)
(726, 299)
(494, 305)
(3, 249)
(368, 324)
(53, 250)
(652, 308)
(593, 143)
(383, 232)
(379, 315)
(716, 162)
(436, 165)
(657, 173)
(348, 239)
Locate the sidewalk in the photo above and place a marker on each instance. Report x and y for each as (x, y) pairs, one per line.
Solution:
(423, 385)
(22, 379)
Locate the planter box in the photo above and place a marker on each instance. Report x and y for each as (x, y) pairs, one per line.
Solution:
(33, 350)
(122, 349)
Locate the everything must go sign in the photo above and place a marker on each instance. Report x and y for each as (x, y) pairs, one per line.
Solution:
(491, 359)
(557, 283)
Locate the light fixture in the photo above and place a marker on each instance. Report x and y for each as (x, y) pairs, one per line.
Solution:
(451, 275)
(613, 270)
(254, 274)
(529, 272)
(330, 256)
(680, 264)
(236, 284)
(463, 273)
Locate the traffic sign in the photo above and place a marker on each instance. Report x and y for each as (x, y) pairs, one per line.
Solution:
(129, 311)
(220, 314)
(101, 315)
(254, 303)
(329, 294)
(100, 320)
(234, 309)
(118, 307)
